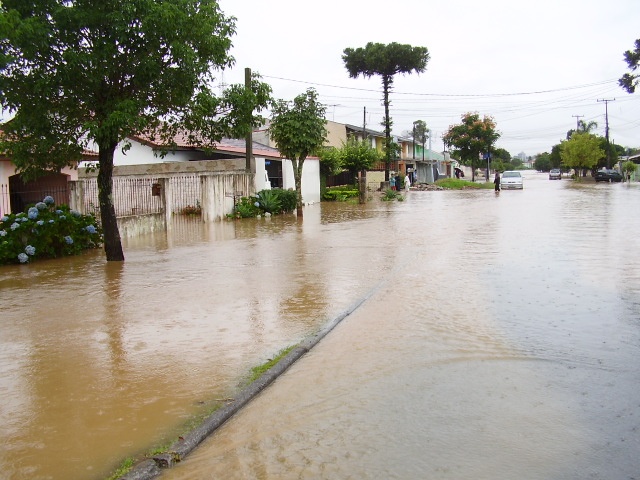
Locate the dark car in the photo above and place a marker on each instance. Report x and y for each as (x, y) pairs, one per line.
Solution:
(608, 175)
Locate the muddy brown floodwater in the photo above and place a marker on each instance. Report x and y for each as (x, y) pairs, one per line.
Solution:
(499, 339)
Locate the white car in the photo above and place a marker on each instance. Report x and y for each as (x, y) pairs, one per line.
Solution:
(511, 180)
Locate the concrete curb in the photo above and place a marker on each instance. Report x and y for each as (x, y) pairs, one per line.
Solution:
(153, 467)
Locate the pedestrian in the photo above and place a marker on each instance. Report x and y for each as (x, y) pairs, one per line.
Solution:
(407, 182)
(496, 182)
(392, 182)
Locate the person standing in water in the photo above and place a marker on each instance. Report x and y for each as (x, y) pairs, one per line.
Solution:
(496, 182)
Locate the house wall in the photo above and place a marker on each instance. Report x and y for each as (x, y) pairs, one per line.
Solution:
(336, 134)
(7, 169)
(310, 179)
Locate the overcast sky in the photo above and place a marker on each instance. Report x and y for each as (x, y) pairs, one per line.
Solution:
(533, 66)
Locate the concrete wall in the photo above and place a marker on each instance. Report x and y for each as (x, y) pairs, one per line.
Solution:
(135, 225)
(169, 168)
(220, 192)
(310, 179)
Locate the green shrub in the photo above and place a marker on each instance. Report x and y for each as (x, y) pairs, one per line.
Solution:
(340, 194)
(288, 200)
(266, 201)
(269, 202)
(46, 231)
(390, 195)
(457, 184)
(247, 207)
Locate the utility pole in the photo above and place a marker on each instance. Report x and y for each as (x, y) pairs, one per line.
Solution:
(364, 124)
(577, 121)
(606, 128)
(250, 164)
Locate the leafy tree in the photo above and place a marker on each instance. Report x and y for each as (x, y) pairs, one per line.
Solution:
(299, 130)
(629, 168)
(542, 163)
(613, 153)
(556, 160)
(502, 155)
(92, 73)
(471, 138)
(385, 61)
(330, 161)
(581, 152)
(629, 81)
(420, 133)
(358, 155)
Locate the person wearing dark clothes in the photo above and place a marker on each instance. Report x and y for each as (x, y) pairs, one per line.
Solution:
(496, 182)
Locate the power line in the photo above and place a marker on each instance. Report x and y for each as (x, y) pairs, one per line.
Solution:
(487, 95)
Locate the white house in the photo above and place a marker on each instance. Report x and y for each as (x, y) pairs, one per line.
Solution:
(271, 170)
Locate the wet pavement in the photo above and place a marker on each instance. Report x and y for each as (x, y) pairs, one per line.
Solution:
(499, 339)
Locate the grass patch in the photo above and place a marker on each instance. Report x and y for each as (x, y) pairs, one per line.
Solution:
(391, 195)
(256, 372)
(457, 184)
(123, 469)
(196, 420)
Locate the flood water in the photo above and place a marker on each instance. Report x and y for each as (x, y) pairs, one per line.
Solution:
(499, 339)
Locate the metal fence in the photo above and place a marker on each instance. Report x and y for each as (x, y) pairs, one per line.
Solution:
(16, 200)
(139, 196)
(5, 204)
(131, 196)
(186, 192)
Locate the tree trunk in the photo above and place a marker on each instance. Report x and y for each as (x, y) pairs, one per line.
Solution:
(386, 86)
(473, 170)
(112, 243)
(362, 187)
(297, 179)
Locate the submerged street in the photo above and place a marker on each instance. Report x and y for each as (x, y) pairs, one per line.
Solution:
(499, 339)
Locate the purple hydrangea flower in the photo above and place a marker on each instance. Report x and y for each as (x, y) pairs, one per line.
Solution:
(68, 240)
(15, 225)
(40, 222)
(4, 219)
(49, 200)
(41, 205)
(23, 257)
(91, 229)
(30, 250)
(3, 233)
(33, 213)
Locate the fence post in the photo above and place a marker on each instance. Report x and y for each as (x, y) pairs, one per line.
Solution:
(166, 197)
(76, 197)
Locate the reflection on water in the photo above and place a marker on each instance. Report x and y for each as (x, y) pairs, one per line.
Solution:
(498, 328)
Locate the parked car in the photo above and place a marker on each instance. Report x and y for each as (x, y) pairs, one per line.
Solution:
(608, 175)
(555, 174)
(511, 180)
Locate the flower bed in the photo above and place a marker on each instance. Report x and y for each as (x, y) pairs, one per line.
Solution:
(45, 230)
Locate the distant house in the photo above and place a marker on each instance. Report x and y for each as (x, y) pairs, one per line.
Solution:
(16, 193)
